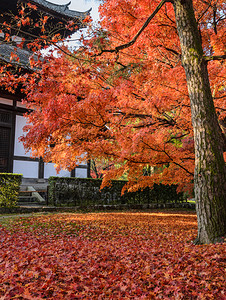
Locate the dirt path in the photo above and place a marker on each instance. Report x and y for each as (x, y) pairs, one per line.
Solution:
(7, 216)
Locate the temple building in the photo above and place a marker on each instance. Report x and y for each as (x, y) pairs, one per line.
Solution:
(13, 158)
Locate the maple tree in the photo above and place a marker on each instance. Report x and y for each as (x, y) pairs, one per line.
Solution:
(129, 94)
(108, 256)
(98, 168)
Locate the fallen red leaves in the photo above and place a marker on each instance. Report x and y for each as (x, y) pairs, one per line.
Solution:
(108, 256)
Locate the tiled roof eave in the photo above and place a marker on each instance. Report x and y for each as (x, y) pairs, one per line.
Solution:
(62, 10)
(23, 55)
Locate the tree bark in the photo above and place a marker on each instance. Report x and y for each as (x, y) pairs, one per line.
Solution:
(210, 169)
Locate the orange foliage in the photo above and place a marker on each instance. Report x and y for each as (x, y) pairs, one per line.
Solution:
(109, 256)
(132, 107)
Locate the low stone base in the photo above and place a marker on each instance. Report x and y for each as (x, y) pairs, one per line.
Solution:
(31, 209)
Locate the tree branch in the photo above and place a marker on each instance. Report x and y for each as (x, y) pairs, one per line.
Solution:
(217, 57)
(200, 17)
(214, 18)
(42, 39)
(130, 43)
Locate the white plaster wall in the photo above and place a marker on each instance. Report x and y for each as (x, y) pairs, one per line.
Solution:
(49, 170)
(6, 101)
(81, 173)
(19, 104)
(29, 169)
(19, 148)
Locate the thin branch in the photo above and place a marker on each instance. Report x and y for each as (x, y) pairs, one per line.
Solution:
(186, 170)
(170, 158)
(168, 16)
(205, 2)
(130, 43)
(35, 37)
(214, 18)
(132, 15)
(177, 164)
(221, 19)
(217, 57)
(173, 88)
(170, 50)
(200, 17)
(220, 98)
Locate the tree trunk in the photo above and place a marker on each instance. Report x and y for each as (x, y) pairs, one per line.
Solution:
(210, 169)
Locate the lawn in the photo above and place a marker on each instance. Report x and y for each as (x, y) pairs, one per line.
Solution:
(108, 256)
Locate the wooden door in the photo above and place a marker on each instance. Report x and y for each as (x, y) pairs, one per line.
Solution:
(5, 141)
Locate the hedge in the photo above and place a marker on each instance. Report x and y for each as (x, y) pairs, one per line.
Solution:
(85, 192)
(9, 189)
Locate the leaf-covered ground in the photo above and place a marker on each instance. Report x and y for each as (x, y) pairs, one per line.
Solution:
(108, 256)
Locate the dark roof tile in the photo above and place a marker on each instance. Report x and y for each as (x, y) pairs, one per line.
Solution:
(63, 10)
(23, 55)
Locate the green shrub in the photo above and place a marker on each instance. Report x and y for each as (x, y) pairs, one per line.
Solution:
(69, 191)
(9, 189)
